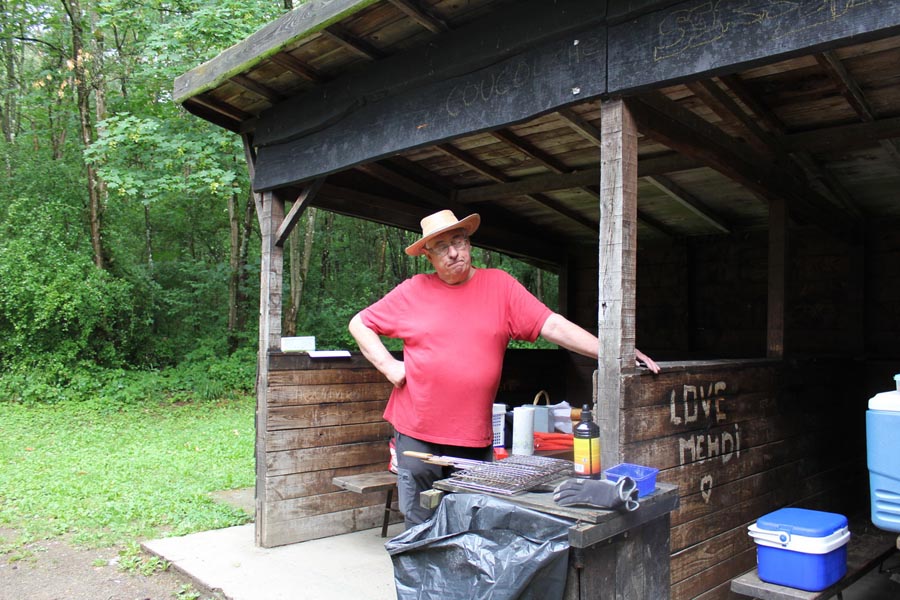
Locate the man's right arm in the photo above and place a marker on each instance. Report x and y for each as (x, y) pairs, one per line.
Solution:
(374, 350)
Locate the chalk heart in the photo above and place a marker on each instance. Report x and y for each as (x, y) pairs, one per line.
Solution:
(706, 487)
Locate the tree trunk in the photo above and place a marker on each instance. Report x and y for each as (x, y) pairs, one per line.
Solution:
(249, 214)
(327, 231)
(299, 269)
(9, 91)
(8, 108)
(293, 306)
(234, 275)
(148, 236)
(82, 89)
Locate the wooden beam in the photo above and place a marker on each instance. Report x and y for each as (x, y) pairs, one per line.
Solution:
(355, 45)
(250, 159)
(297, 67)
(405, 183)
(303, 200)
(347, 123)
(555, 165)
(642, 217)
(656, 225)
(841, 137)
(807, 163)
(220, 107)
(662, 164)
(683, 131)
(728, 110)
(834, 189)
(257, 88)
(617, 271)
(426, 20)
(271, 212)
(534, 184)
(497, 175)
(689, 201)
(845, 84)
(689, 39)
(498, 233)
(548, 182)
(854, 95)
(479, 166)
(214, 117)
(582, 126)
(757, 108)
(493, 220)
(530, 150)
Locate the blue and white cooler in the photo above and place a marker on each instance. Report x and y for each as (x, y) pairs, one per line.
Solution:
(883, 457)
(801, 548)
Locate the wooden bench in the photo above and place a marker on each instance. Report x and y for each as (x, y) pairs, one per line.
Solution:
(868, 548)
(381, 481)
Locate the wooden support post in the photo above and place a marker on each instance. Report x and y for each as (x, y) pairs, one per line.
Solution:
(270, 211)
(778, 250)
(618, 252)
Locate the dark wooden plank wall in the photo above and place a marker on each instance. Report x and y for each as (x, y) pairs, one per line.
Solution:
(882, 309)
(706, 297)
(740, 439)
(324, 419)
(743, 437)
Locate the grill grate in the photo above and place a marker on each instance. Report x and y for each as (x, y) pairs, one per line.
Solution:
(512, 475)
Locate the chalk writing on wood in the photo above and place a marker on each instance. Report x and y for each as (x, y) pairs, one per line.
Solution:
(512, 75)
(708, 22)
(696, 398)
(704, 404)
(706, 483)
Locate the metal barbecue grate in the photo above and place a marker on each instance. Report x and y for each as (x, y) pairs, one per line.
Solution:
(512, 475)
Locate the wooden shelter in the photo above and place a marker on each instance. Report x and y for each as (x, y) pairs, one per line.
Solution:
(717, 181)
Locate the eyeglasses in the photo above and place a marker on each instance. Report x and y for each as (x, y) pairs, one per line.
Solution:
(460, 242)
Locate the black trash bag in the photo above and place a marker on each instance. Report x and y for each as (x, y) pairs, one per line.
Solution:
(481, 547)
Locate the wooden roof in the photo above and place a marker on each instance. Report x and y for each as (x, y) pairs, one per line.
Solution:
(494, 106)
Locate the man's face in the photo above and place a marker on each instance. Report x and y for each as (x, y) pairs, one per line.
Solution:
(450, 254)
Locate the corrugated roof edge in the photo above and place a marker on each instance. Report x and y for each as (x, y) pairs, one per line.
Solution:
(302, 22)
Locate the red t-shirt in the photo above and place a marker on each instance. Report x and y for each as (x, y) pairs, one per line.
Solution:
(454, 338)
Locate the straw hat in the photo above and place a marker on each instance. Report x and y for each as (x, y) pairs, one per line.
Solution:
(440, 222)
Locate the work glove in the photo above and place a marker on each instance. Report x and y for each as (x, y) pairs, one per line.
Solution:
(598, 493)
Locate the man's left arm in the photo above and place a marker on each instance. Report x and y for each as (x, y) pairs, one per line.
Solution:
(560, 331)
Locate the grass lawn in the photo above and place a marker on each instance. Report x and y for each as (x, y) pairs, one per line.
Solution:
(104, 477)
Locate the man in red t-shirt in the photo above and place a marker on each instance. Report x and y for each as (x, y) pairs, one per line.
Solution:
(455, 325)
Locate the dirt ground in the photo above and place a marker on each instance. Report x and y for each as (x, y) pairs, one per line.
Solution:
(55, 570)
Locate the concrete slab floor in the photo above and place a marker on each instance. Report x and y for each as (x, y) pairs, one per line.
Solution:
(354, 565)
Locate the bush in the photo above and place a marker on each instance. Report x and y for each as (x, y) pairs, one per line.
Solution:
(55, 302)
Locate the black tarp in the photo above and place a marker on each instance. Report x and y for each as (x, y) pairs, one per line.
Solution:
(482, 548)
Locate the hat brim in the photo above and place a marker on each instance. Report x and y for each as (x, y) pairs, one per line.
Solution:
(470, 224)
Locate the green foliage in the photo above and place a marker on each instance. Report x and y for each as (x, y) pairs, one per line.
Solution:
(133, 560)
(67, 327)
(150, 159)
(107, 477)
(205, 375)
(53, 301)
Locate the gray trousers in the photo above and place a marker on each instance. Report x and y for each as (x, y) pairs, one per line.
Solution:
(415, 476)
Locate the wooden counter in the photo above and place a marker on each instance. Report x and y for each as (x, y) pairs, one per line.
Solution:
(614, 554)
